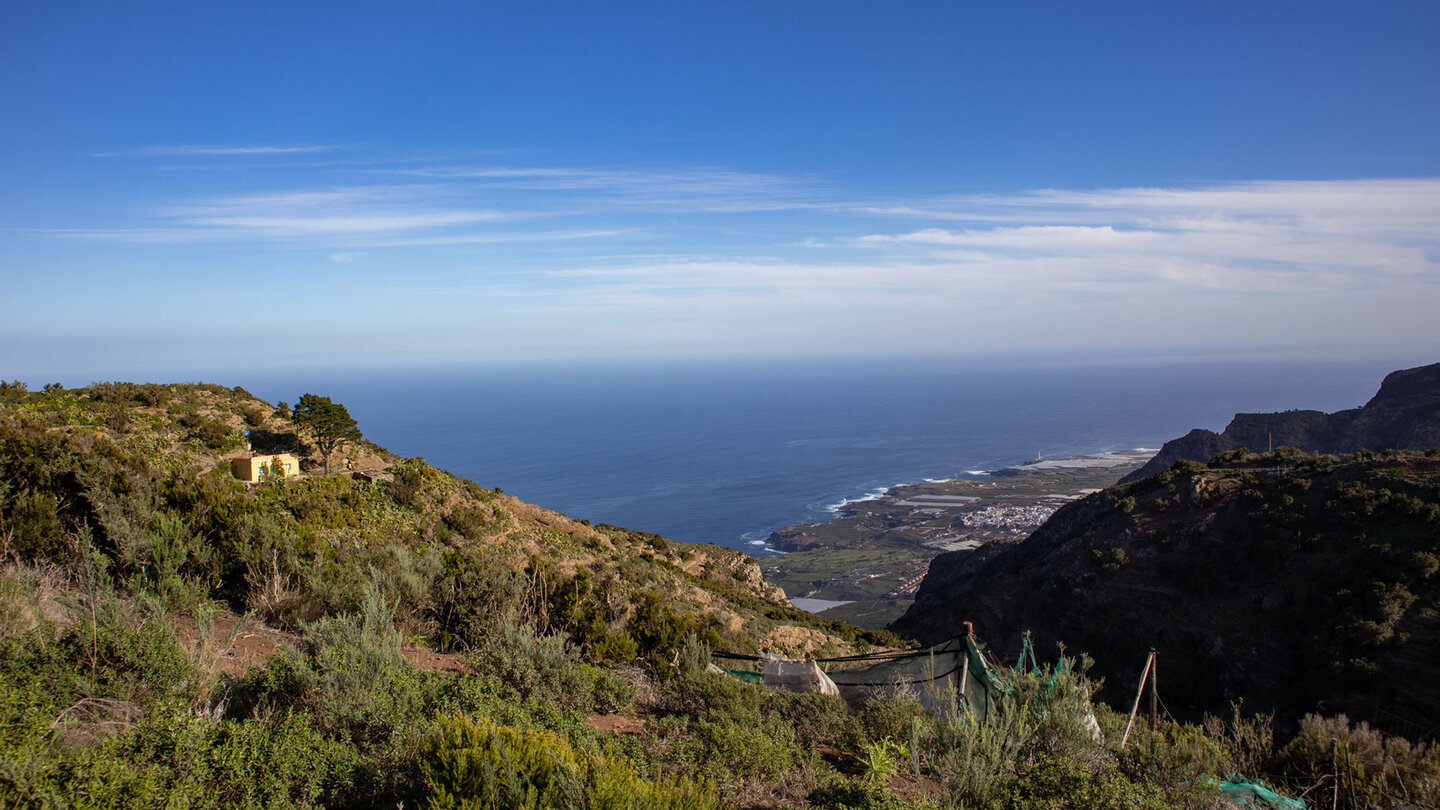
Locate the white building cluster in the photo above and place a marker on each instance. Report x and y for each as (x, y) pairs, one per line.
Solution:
(1008, 517)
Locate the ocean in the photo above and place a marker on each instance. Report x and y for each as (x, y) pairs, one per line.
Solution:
(726, 452)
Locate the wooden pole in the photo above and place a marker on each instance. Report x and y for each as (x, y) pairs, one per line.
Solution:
(1134, 710)
(1154, 691)
(1334, 774)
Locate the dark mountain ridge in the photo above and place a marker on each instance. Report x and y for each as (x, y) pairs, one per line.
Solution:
(1299, 583)
(1404, 414)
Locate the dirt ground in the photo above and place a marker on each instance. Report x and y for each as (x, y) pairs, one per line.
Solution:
(615, 723)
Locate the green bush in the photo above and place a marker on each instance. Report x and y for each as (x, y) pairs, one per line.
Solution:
(1046, 717)
(34, 525)
(696, 691)
(170, 561)
(733, 752)
(1054, 782)
(974, 760)
(658, 629)
(818, 719)
(549, 669)
(113, 660)
(612, 692)
(1248, 741)
(837, 794)
(890, 717)
(281, 763)
(100, 717)
(180, 761)
(881, 761)
(467, 763)
(1179, 759)
(476, 598)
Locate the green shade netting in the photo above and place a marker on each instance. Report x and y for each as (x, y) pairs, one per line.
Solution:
(1249, 793)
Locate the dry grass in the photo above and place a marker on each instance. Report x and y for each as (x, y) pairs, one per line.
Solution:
(31, 596)
(92, 720)
(273, 596)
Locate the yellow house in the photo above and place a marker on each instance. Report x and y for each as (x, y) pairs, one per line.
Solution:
(253, 466)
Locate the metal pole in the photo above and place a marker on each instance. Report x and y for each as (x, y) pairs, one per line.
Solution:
(965, 680)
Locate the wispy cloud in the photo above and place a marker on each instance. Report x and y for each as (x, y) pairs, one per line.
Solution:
(309, 214)
(766, 254)
(451, 204)
(689, 189)
(197, 150)
(1246, 237)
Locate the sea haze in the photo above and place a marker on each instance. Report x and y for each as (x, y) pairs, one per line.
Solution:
(726, 453)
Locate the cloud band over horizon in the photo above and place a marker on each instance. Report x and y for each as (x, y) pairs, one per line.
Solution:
(628, 261)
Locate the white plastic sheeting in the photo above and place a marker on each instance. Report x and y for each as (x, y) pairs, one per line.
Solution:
(796, 675)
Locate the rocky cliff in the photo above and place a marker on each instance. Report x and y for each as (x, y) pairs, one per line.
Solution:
(1404, 414)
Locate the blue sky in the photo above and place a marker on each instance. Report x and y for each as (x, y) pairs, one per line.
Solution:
(189, 188)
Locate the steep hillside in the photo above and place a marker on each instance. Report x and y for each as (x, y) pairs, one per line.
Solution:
(1404, 414)
(139, 474)
(1297, 582)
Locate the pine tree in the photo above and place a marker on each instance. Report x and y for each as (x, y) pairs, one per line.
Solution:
(330, 421)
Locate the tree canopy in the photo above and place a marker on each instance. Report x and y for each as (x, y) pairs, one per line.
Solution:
(330, 421)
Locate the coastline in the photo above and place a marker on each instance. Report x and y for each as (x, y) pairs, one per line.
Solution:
(865, 562)
(1105, 459)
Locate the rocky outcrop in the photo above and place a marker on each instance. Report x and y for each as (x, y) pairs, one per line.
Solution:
(1404, 414)
(729, 566)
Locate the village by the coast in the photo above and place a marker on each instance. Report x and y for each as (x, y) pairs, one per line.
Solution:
(866, 565)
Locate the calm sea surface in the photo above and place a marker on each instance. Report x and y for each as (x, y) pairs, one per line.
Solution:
(726, 453)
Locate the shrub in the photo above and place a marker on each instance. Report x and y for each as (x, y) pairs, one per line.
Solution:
(819, 719)
(881, 761)
(1373, 767)
(837, 794)
(612, 692)
(973, 759)
(734, 751)
(253, 416)
(476, 599)
(1249, 742)
(170, 561)
(1055, 782)
(545, 668)
(35, 527)
(472, 522)
(113, 660)
(890, 717)
(1046, 716)
(467, 763)
(282, 763)
(179, 761)
(696, 691)
(658, 629)
(1179, 759)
